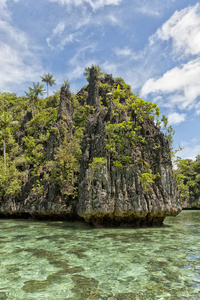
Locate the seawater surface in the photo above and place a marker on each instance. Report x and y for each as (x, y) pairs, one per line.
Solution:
(59, 260)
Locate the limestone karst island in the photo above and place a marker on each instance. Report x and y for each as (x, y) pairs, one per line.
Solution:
(98, 156)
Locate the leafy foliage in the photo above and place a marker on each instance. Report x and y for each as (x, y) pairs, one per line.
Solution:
(10, 179)
(87, 72)
(97, 163)
(48, 78)
(64, 168)
(147, 177)
(125, 135)
(120, 138)
(17, 159)
(66, 84)
(187, 175)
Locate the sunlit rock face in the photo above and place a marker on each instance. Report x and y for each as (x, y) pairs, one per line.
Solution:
(115, 195)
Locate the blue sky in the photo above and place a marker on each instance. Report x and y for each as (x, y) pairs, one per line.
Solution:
(153, 45)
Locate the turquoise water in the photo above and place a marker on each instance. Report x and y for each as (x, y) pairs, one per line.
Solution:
(59, 260)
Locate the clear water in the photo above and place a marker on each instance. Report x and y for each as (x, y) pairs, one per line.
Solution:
(59, 260)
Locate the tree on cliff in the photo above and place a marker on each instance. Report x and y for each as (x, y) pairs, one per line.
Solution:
(31, 97)
(98, 72)
(188, 179)
(5, 120)
(66, 84)
(11, 164)
(38, 90)
(48, 78)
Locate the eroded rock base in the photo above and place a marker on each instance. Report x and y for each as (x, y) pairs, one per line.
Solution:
(99, 220)
(127, 219)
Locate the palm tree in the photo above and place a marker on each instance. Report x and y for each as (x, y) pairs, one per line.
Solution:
(5, 120)
(49, 81)
(38, 89)
(31, 97)
(66, 84)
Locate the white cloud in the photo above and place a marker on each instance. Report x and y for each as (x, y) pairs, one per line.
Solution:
(147, 9)
(95, 4)
(113, 19)
(189, 151)
(83, 21)
(109, 67)
(183, 29)
(3, 7)
(197, 109)
(181, 82)
(3, 4)
(4, 13)
(17, 61)
(15, 68)
(80, 61)
(58, 30)
(176, 118)
(68, 31)
(59, 38)
(123, 51)
(126, 52)
(12, 35)
(56, 37)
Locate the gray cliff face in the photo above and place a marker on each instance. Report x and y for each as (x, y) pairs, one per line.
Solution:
(115, 195)
(93, 89)
(22, 132)
(64, 118)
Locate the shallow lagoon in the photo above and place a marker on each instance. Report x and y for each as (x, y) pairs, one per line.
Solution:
(59, 260)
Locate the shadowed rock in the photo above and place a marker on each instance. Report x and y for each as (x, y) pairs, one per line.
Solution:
(64, 118)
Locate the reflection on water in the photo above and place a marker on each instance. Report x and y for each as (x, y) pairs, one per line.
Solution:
(59, 260)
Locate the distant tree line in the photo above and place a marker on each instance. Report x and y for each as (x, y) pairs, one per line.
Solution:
(188, 178)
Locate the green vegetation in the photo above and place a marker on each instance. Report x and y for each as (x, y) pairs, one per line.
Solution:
(22, 150)
(147, 177)
(87, 72)
(33, 95)
(187, 175)
(124, 131)
(66, 84)
(5, 121)
(97, 163)
(48, 78)
(63, 170)
(28, 124)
